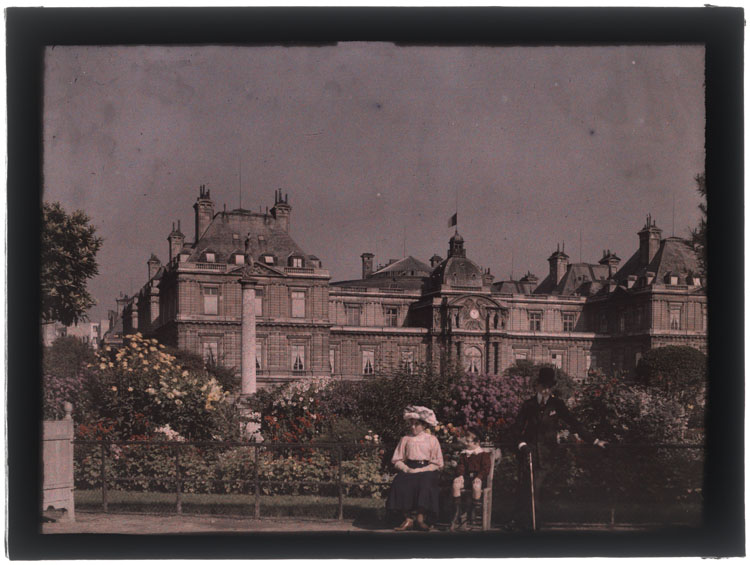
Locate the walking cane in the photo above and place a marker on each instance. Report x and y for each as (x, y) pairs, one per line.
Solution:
(533, 503)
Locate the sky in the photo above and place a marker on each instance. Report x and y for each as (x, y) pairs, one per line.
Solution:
(377, 146)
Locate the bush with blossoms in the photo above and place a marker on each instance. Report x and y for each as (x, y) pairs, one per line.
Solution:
(489, 402)
(139, 387)
(291, 412)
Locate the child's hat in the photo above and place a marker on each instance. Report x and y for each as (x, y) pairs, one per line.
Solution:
(420, 413)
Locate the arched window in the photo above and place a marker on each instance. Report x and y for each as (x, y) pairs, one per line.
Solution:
(473, 360)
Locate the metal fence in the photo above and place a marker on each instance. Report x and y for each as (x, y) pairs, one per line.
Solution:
(622, 484)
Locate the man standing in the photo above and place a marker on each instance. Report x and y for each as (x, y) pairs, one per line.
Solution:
(539, 420)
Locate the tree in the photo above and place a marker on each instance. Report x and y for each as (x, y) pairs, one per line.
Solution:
(679, 371)
(698, 234)
(65, 377)
(68, 246)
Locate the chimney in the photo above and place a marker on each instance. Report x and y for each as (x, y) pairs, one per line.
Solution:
(281, 210)
(204, 211)
(558, 264)
(650, 239)
(176, 240)
(631, 281)
(121, 301)
(367, 264)
(611, 261)
(153, 266)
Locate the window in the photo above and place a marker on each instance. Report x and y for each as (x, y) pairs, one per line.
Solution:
(588, 362)
(298, 358)
(298, 304)
(352, 315)
(520, 355)
(210, 257)
(210, 351)
(210, 300)
(332, 359)
(268, 259)
(473, 362)
(235, 238)
(239, 259)
(391, 316)
(622, 322)
(603, 323)
(535, 321)
(569, 321)
(557, 360)
(368, 362)
(704, 317)
(674, 316)
(258, 302)
(407, 361)
(295, 261)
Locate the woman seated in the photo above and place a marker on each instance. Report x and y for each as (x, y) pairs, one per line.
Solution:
(417, 458)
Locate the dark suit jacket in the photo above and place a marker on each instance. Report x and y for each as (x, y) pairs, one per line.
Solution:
(539, 423)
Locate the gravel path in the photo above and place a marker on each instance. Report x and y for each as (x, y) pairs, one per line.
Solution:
(89, 523)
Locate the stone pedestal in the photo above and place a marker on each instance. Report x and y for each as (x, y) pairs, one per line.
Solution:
(57, 460)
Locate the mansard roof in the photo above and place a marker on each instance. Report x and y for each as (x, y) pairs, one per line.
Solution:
(513, 287)
(408, 266)
(265, 236)
(674, 255)
(579, 279)
(384, 283)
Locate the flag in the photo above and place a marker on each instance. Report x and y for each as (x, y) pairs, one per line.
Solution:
(453, 221)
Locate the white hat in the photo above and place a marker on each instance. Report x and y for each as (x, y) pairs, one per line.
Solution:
(420, 413)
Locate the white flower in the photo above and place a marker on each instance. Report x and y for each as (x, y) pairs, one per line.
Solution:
(114, 389)
(130, 389)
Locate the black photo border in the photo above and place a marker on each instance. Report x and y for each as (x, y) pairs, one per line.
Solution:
(30, 30)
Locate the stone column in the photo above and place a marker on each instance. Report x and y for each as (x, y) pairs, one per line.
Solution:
(248, 385)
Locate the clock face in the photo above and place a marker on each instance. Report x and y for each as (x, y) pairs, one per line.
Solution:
(474, 313)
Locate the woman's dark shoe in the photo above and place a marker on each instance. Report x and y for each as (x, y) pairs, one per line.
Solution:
(421, 524)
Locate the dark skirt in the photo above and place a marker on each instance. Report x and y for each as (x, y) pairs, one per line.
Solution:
(412, 491)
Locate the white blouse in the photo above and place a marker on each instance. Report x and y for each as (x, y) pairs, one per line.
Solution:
(421, 447)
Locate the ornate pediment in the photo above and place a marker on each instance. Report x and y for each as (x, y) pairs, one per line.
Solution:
(477, 313)
(257, 269)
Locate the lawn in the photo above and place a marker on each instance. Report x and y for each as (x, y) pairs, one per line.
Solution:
(300, 506)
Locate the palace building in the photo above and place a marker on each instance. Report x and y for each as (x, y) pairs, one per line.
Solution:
(244, 293)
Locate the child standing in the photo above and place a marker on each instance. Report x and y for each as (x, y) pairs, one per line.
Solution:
(473, 468)
(418, 460)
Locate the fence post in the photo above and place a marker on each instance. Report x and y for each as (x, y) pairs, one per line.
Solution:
(257, 483)
(178, 476)
(104, 478)
(341, 487)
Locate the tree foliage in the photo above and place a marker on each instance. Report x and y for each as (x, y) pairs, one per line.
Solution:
(64, 378)
(698, 234)
(68, 260)
(672, 368)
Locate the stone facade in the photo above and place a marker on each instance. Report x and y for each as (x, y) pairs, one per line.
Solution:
(243, 268)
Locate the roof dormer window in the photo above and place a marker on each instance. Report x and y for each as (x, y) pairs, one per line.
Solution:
(295, 261)
(239, 259)
(268, 259)
(210, 257)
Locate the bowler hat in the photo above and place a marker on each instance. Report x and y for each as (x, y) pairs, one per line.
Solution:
(546, 376)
